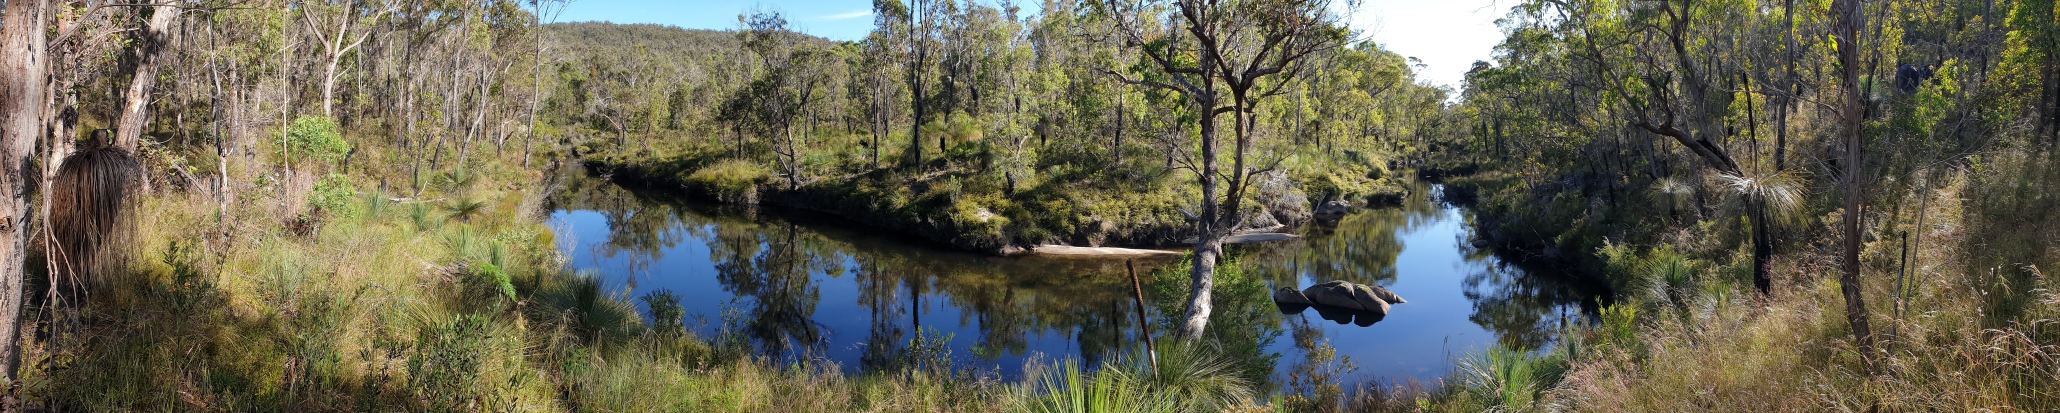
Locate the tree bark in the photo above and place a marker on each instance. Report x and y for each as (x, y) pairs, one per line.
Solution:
(24, 64)
(1848, 21)
(1208, 245)
(128, 131)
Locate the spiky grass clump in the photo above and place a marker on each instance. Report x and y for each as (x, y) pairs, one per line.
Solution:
(91, 216)
(1782, 194)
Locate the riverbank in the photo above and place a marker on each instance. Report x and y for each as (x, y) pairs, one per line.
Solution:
(1952, 276)
(957, 203)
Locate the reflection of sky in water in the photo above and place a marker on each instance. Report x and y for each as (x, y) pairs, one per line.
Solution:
(687, 269)
(1057, 307)
(1418, 338)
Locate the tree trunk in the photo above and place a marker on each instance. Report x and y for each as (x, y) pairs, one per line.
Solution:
(23, 65)
(1848, 22)
(1762, 246)
(128, 131)
(1208, 245)
(1789, 84)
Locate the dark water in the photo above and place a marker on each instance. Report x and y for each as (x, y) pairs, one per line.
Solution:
(799, 284)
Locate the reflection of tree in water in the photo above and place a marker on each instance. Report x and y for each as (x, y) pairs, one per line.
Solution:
(879, 291)
(771, 260)
(1525, 305)
(774, 269)
(1361, 247)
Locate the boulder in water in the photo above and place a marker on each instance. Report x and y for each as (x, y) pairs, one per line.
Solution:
(1340, 301)
(1287, 295)
(1333, 208)
(1334, 293)
(1290, 301)
(1363, 295)
(1386, 295)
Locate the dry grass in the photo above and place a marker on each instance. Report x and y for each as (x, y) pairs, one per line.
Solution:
(1949, 350)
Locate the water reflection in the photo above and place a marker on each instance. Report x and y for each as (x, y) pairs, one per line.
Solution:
(1460, 298)
(802, 285)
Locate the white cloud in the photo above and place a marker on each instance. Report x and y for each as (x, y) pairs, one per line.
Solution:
(1448, 35)
(847, 15)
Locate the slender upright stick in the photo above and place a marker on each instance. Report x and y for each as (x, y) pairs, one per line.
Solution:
(1145, 326)
(1895, 332)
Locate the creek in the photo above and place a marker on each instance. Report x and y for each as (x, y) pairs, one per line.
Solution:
(797, 284)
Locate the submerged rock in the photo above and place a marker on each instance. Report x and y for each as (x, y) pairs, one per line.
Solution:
(1333, 208)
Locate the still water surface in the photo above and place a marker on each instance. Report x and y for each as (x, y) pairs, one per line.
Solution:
(798, 284)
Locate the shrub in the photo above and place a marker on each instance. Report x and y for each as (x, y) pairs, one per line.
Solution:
(486, 283)
(335, 196)
(731, 180)
(666, 311)
(448, 365)
(316, 137)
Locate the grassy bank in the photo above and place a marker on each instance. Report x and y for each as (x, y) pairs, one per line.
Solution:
(1954, 273)
(318, 289)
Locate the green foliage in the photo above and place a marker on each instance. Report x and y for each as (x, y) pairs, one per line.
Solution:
(449, 360)
(1316, 384)
(666, 311)
(316, 137)
(335, 196)
(486, 283)
(1657, 278)
(1071, 390)
(1511, 379)
(1243, 320)
(424, 216)
(463, 209)
(732, 179)
(1619, 322)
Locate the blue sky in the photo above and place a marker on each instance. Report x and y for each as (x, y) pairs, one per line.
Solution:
(1447, 35)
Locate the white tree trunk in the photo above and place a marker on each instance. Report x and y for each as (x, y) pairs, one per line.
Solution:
(128, 131)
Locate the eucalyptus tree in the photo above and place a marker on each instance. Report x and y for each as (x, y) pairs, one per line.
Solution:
(339, 29)
(1848, 21)
(1224, 57)
(23, 55)
(1657, 60)
(796, 76)
(873, 82)
(148, 54)
(910, 30)
(543, 11)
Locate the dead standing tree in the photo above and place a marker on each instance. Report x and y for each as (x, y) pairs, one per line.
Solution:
(1210, 51)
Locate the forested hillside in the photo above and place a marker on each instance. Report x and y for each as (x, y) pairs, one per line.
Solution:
(300, 205)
